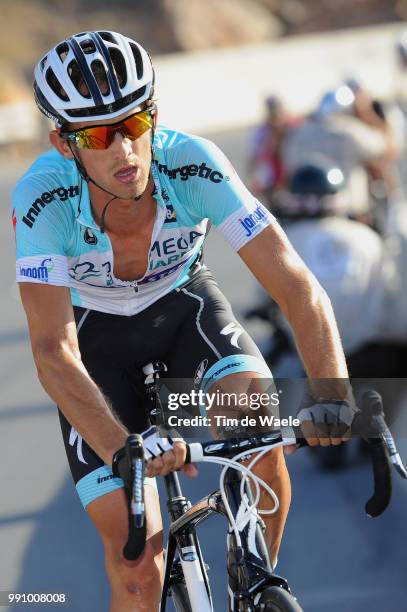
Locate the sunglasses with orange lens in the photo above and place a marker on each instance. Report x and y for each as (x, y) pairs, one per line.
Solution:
(101, 136)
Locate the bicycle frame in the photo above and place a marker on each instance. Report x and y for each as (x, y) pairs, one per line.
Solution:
(190, 566)
(186, 577)
(249, 566)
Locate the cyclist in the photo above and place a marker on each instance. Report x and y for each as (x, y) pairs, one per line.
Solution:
(109, 227)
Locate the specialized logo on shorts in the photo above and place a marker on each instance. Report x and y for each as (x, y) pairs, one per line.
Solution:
(170, 215)
(157, 321)
(236, 331)
(74, 437)
(90, 237)
(184, 172)
(59, 193)
(200, 372)
(40, 272)
(252, 220)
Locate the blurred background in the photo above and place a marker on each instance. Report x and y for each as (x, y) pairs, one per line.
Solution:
(308, 99)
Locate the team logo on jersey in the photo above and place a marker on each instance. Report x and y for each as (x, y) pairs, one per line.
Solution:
(170, 214)
(40, 272)
(59, 193)
(84, 270)
(87, 269)
(184, 172)
(251, 221)
(90, 237)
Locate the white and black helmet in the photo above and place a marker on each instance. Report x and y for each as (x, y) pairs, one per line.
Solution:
(93, 75)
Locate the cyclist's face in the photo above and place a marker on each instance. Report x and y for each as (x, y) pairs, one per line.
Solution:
(123, 168)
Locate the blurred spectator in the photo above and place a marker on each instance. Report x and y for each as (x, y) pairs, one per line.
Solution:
(359, 270)
(401, 52)
(390, 121)
(266, 170)
(346, 256)
(347, 129)
(317, 189)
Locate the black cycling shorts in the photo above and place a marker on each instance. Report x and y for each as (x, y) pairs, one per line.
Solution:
(192, 330)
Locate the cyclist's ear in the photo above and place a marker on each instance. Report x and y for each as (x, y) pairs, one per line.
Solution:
(155, 118)
(60, 144)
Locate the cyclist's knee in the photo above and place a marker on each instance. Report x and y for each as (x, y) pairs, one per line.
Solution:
(138, 578)
(135, 585)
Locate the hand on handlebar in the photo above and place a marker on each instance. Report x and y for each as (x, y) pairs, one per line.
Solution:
(170, 460)
(162, 455)
(165, 454)
(326, 422)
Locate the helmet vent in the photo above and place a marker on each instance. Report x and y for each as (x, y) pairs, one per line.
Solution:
(77, 79)
(100, 75)
(108, 36)
(62, 51)
(88, 46)
(119, 66)
(138, 59)
(55, 85)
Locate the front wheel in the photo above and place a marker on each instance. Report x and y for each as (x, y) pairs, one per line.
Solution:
(277, 599)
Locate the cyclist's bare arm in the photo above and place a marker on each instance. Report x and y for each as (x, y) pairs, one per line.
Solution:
(305, 304)
(61, 372)
(60, 369)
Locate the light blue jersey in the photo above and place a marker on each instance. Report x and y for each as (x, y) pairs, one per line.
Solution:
(59, 243)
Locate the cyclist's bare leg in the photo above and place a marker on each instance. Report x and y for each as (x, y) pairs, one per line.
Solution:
(271, 468)
(136, 585)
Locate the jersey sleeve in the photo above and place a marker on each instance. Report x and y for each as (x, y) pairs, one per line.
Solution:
(214, 191)
(40, 221)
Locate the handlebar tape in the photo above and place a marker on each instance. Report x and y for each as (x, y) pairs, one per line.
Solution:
(372, 428)
(382, 480)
